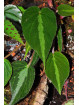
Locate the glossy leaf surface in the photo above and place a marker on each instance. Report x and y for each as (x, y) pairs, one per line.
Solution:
(7, 71)
(57, 69)
(21, 81)
(39, 28)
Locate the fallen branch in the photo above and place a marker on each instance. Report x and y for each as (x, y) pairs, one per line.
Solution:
(40, 93)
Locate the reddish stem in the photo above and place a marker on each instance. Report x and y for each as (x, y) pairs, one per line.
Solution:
(66, 89)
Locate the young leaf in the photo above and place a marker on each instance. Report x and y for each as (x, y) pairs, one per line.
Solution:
(57, 69)
(11, 31)
(28, 48)
(39, 28)
(35, 59)
(12, 12)
(65, 10)
(21, 9)
(21, 81)
(59, 36)
(7, 71)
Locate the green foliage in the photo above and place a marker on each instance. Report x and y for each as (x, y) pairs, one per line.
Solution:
(7, 71)
(59, 37)
(35, 59)
(39, 28)
(21, 81)
(65, 10)
(21, 9)
(57, 69)
(11, 31)
(69, 102)
(28, 48)
(5, 103)
(12, 12)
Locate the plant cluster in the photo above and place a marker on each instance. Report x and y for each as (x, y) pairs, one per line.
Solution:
(39, 28)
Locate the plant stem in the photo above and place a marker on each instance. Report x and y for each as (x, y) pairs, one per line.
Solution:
(31, 59)
(66, 89)
(13, 51)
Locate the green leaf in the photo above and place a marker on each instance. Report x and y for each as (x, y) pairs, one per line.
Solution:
(28, 48)
(5, 103)
(65, 10)
(39, 28)
(21, 81)
(57, 69)
(21, 9)
(35, 59)
(11, 31)
(59, 36)
(7, 71)
(69, 102)
(12, 12)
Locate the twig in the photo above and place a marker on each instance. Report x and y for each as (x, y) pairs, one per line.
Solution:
(13, 51)
(72, 55)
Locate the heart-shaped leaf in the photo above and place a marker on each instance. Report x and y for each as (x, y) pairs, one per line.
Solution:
(57, 69)
(59, 37)
(7, 71)
(65, 10)
(11, 31)
(12, 12)
(21, 81)
(39, 28)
